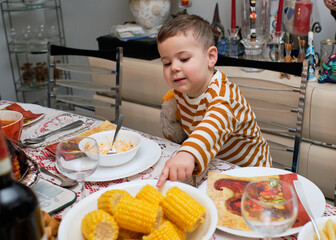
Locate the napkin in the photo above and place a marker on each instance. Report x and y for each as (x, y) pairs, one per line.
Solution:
(28, 116)
(227, 200)
(105, 126)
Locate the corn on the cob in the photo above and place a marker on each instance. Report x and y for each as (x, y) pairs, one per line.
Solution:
(138, 215)
(180, 208)
(166, 231)
(150, 194)
(109, 200)
(99, 225)
(125, 234)
(180, 232)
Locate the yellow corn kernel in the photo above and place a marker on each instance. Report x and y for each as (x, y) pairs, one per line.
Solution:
(150, 194)
(166, 231)
(180, 232)
(99, 225)
(125, 234)
(183, 210)
(109, 200)
(138, 215)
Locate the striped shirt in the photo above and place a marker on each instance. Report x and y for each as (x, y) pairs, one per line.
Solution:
(220, 123)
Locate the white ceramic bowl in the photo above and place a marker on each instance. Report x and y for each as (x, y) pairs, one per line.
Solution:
(104, 140)
(307, 232)
(70, 227)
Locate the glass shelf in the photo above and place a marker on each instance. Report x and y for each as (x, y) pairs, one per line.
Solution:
(87, 69)
(83, 101)
(28, 47)
(31, 87)
(19, 6)
(78, 84)
(33, 47)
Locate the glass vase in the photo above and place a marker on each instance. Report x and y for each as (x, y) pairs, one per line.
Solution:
(233, 42)
(255, 28)
(277, 47)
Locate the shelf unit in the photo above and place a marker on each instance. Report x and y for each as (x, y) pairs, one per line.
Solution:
(28, 29)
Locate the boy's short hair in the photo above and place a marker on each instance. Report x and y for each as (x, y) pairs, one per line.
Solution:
(181, 24)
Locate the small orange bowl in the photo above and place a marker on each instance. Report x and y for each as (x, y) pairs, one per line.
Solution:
(11, 124)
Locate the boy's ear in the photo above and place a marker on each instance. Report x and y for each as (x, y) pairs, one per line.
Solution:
(213, 56)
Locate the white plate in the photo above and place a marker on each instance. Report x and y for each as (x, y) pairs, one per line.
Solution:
(36, 109)
(70, 227)
(316, 198)
(307, 232)
(148, 154)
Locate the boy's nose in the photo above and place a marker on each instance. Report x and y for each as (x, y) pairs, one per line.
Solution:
(175, 67)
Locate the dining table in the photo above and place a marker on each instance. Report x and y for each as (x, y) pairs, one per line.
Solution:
(54, 118)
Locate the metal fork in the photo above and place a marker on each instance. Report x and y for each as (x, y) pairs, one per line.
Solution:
(41, 138)
(20, 144)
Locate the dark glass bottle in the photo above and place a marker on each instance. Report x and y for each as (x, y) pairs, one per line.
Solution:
(20, 214)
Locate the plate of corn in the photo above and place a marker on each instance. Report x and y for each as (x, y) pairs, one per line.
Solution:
(139, 210)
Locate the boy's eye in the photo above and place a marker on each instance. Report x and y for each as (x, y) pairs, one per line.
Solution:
(166, 64)
(184, 59)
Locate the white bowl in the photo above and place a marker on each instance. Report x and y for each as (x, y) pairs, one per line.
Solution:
(70, 227)
(104, 140)
(307, 232)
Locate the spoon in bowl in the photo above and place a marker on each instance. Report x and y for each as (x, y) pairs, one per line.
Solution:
(120, 121)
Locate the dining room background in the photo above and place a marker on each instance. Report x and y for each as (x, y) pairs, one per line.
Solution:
(85, 20)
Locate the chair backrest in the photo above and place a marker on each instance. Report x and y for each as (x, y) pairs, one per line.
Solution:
(72, 83)
(278, 103)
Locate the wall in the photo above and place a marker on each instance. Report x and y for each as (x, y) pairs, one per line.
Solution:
(85, 20)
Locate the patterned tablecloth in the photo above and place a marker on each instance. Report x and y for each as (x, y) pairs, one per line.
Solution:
(53, 119)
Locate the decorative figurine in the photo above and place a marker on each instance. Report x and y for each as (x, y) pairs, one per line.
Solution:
(253, 16)
(331, 4)
(216, 27)
(329, 70)
(302, 50)
(310, 55)
(288, 58)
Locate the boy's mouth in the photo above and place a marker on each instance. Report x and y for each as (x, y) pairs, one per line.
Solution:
(177, 80)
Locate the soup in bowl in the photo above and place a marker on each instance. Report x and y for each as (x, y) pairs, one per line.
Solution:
(126, 146)
(11, 124)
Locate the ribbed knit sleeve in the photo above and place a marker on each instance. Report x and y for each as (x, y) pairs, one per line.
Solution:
(220, 123)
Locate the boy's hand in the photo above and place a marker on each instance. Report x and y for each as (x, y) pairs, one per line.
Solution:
(178, 167)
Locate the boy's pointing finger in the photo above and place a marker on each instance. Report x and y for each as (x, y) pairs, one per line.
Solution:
(163, 177)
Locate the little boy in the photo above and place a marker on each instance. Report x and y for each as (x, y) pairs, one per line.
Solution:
(215, 118)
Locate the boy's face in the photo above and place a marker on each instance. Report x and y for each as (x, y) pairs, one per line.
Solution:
(187, 67)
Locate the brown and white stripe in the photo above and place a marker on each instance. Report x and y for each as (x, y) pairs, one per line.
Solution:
(220, 123)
